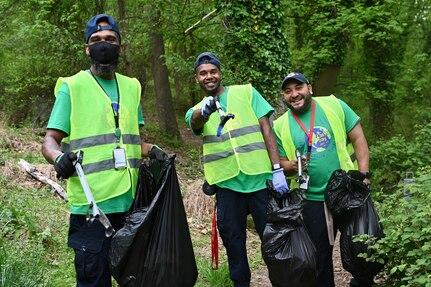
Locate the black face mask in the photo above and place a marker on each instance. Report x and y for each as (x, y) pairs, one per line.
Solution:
(104, 53)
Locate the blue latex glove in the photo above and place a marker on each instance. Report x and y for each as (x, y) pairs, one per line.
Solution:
(208, 107)
(279, 182)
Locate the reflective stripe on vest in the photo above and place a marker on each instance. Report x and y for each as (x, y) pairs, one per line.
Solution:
(241, 146)
(335, 114)
(99, 140)
(242, 149)
(92, 131)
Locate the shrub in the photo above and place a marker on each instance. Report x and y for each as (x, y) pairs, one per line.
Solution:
(392, 158)
(407, 227)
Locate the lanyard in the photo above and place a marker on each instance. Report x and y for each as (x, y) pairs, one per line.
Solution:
(115, 106)
(310, 132)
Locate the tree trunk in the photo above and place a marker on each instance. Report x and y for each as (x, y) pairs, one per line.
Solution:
(164, 103)
(178, 75)
(100, 6)
(123, 30)
(381, 108)
(194, 93)
(326, 80)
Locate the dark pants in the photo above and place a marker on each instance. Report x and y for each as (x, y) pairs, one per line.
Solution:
(232, 210)
(314, 219)
(91, 248)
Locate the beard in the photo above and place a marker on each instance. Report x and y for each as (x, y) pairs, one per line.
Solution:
(302, 109)
(211, 92)
(104, 69)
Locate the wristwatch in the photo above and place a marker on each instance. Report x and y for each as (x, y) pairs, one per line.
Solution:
(276, 166)
(367, 174)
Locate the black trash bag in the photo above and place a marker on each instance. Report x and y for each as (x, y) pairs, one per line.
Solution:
(362, 220)
(154, 247)
(345, 191)
(287, 249)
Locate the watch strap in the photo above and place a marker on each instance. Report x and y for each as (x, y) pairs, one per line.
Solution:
(276, 166)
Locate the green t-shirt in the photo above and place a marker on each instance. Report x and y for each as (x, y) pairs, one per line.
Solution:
(323, 158)
(243, 182)
(60, 120)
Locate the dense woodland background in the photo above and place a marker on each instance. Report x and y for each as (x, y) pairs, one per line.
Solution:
(375, 55)
(372, 54)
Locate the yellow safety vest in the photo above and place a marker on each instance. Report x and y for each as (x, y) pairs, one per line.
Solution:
(241, 146)
(335, 114)
(93, 131)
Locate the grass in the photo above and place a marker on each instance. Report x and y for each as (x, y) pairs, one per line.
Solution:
(34, 223)
(33, 248)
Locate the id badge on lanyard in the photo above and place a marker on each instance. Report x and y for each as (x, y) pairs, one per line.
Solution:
(119, 154)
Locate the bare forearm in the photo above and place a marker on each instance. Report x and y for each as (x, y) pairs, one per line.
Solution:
(146, 147)
(357, 137)
(362, 154)
(291, 166)
(197, 121)
(288, 166)
(269, 138)
(50, 149)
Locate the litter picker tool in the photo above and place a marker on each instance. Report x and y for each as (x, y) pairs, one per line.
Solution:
(302, 177)
(223, 117)
(97, 212)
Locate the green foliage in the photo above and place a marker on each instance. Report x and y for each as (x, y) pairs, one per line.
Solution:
(20, 265)
(406, 223)
(155, 129)
(255, 44)
(41, 44)
(378, 64)
(392, 158)
(210, 277)
(33, 224)
(31, 249)
(320, 34)
(407, 241)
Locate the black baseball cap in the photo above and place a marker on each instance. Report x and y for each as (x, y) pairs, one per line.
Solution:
(294, 76)
(207, 58)
(92, 26)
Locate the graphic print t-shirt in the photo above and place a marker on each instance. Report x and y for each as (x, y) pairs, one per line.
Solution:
(323, 158)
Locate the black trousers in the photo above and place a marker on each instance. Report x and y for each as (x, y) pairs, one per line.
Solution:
(314, 219)
(232, 210)
(91, 248)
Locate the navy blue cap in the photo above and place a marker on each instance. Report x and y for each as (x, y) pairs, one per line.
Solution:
(207, 58)
(92, 26)
(294, 76)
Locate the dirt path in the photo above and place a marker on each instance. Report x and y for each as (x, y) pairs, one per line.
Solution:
(342, 277)
(200, 207)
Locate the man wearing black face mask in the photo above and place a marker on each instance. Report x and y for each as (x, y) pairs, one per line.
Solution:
(104, 54)
(97, 111)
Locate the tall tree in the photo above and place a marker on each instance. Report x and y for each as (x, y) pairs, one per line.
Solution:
(320, 38)
(255, 46)
(41, 41)
(164, 103)
(378, 30)
(189, 28)
(124, 33)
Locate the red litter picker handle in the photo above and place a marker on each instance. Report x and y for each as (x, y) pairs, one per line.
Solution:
(214, 241)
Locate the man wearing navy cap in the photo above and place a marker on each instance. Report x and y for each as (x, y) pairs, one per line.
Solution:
(239, 161)
(97, 111)
(318, 127)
